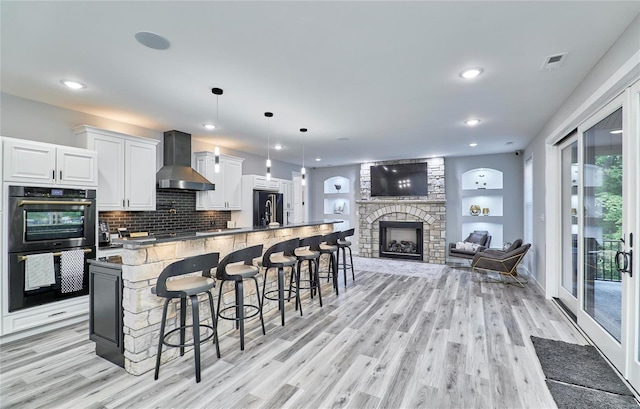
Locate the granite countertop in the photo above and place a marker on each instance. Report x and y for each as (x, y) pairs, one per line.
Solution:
(136, 242)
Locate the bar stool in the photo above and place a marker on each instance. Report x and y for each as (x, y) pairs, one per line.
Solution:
(344, 245)
(308, 251)
(183, 287)
(329, 246)
(238, 273)
(272, 260)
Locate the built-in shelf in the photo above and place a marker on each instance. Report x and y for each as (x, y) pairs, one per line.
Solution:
(337, 201)
(483, 187)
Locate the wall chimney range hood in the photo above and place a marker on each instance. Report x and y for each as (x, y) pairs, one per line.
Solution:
(177, 172)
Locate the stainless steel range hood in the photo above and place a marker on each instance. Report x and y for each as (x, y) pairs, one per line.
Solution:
(177, 172)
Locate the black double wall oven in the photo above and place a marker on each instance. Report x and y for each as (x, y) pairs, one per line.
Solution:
(46, 220)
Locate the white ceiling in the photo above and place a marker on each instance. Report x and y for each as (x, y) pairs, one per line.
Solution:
(382, 74)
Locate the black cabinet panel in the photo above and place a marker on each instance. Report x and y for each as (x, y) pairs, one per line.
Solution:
(105, 312)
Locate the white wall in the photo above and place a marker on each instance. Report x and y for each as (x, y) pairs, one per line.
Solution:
(568, 117)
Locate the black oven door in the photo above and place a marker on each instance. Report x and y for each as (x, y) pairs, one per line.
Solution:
(49, 224)
(70, 280)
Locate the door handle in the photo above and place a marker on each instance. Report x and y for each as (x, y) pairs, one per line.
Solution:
(60, 175)
(53, 174)
(624, 259)
(53, 202)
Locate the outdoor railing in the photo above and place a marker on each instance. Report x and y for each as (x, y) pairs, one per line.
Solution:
(605, 261)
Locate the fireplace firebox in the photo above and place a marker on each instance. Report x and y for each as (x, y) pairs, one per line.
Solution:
(401, 240)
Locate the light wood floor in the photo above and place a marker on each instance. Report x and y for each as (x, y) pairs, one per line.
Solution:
(434, 338)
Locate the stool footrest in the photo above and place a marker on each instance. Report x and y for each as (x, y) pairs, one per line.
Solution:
(266, 295)
(233, 307)
(205, 339)
(311, 287)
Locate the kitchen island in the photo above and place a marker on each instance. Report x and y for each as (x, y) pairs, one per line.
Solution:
(144, 258)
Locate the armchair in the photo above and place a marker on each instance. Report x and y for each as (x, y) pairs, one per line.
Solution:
(503, 262)
(481, 238)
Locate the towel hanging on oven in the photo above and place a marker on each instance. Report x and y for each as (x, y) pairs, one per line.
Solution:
(71, 270)
(39, 271)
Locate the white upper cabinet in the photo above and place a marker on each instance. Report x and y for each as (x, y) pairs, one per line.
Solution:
(286, 188)
(228, 193)
(261, 183)
(44, 163)
(126, 169)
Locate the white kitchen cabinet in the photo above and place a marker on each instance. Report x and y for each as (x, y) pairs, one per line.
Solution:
(261, 183)
(126, 169)
(16, 325)
(227, 194)
(45, 163)
(286, 188)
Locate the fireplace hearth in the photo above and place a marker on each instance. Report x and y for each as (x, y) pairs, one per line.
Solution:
(401, 240)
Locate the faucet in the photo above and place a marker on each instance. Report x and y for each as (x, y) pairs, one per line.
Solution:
(268, 211)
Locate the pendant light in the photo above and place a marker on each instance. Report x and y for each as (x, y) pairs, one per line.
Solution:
(303, 170)
(269, 115)
(216, 152)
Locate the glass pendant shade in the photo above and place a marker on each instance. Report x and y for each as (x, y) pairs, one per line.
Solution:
(216, 156)
(216, 152)
(269, 115)
(268, 169)
(303, 170)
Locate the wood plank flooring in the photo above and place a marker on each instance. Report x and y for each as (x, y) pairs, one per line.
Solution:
(404, 335)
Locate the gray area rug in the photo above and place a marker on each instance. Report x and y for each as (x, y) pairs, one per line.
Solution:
(577, 397)
(577, 364)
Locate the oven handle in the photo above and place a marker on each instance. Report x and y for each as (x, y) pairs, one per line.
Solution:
(58, 254)
(52, 202)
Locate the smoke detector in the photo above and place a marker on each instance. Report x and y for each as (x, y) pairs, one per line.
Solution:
(553, 61)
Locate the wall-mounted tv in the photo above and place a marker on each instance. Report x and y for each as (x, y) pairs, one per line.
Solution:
(399, 180)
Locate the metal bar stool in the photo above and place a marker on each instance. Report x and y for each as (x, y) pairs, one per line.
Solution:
(238, 273)
(308, 251)
(183, 287)
(329, 246)
(271, 259)
(344, 245)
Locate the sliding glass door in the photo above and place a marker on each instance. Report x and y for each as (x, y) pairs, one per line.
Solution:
(604, 209)
(633, 287)
(568, 292)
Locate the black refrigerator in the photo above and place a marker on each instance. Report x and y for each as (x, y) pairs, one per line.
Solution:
(267, 208)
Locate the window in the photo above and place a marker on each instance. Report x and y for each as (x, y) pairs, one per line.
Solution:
(528, 200)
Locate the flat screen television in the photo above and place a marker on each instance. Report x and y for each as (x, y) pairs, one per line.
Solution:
(399, 180)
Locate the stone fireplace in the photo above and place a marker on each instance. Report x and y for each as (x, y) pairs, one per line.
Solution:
(429, 211)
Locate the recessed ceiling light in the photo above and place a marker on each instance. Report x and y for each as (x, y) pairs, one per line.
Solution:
(73, 84)
(152, 40)
(209, 126)
(473, 144)
(472, 122)
(471, 73)
(616, 131)
(277, 146)
(318, 159)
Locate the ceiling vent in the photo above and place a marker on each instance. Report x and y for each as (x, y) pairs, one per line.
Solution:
(553, 61)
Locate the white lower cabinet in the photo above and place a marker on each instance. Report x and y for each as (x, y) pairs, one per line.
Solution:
(228, 192)
(47, 164)
(126, 169)
(44, 317)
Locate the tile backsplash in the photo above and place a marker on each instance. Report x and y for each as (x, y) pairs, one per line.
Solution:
(175, 211)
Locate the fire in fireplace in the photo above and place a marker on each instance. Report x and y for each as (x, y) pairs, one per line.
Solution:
(401, 240)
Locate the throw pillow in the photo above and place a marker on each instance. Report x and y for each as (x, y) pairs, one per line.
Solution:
(460, 245)
(471, 246)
